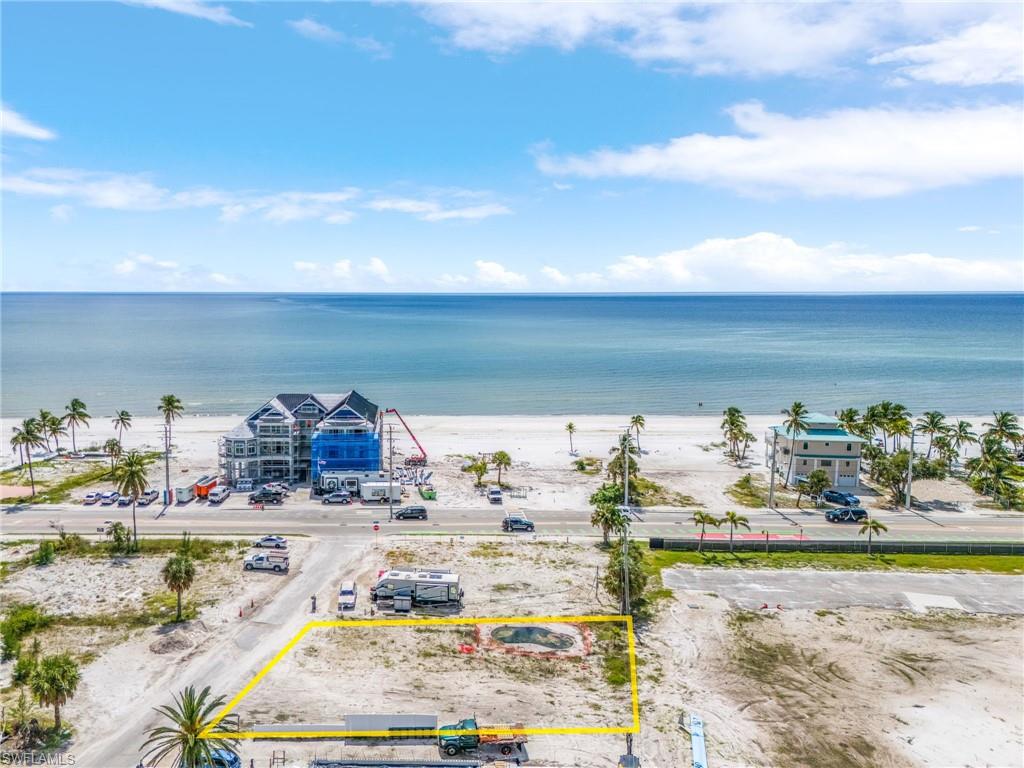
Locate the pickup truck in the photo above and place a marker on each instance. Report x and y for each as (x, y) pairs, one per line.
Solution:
(266, 496)
(507, 739)
(266, 561)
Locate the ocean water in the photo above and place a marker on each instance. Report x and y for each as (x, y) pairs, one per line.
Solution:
(433, 354)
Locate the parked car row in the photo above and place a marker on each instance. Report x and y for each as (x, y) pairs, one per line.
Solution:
(109, 498)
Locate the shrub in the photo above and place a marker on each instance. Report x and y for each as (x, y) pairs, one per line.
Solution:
(45, 554)
(21, 620)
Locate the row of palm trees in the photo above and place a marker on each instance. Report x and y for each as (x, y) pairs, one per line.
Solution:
(37, 431)
(871, 526)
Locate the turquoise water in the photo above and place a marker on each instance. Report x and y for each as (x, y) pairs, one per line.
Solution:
(514, 354)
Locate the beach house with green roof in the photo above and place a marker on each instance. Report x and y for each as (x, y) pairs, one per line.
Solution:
(823, 445)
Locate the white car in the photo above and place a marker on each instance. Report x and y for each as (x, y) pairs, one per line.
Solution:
(273, 542)
(148, 497)
(347, 596)
(110, 497)
(92, 497)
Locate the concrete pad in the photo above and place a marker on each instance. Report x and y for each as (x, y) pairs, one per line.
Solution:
(921, 602)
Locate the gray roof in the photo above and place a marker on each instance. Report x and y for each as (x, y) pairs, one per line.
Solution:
(288, 402)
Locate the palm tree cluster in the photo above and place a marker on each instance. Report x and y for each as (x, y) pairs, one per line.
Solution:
(705, 519)
(623, 458)
(736, 432)
(607, 514)
(995, 472)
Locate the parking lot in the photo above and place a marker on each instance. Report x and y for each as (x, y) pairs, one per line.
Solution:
(972, 592)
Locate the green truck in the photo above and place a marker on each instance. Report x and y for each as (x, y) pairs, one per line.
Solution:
(503, 739)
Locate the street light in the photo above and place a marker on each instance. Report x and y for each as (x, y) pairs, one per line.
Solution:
(910, 468)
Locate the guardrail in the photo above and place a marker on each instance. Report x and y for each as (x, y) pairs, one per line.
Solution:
(851, 546)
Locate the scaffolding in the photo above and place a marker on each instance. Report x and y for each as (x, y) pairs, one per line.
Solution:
(334, 450)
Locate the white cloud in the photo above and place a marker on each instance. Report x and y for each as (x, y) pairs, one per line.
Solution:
(14, 124)
(305, 266)
(144, 262)
(431, 210)
(767, 261)
(314, 30)
(970, 228)
(379, 269)
(982, 54)
(219, 278)
(451, 281)
(493, 274)
(342, 268)
(875, 152)
(556, 276)
(61, 212)
(754, 39)
(218, 14)
(137, 192)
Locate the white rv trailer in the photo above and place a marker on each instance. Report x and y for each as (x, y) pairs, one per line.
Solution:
(380, 491)
(424, 587)
(348, 481)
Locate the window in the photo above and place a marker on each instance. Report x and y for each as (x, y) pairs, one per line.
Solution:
(826, 445)
(825, 463)
(805, 446)
(849, 447)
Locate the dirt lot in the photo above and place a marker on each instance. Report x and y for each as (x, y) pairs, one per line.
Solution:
(852, 687)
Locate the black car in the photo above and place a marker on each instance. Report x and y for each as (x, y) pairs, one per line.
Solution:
(337, 497)
(517, 524)
(265, 496)
(846, 515)
(840, 497)
(411, 513)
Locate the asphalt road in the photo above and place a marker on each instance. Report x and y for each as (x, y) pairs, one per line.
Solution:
(302, 516)
(974, 592)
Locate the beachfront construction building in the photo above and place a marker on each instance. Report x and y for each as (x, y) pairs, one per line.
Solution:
(295, 437)
(823, 445)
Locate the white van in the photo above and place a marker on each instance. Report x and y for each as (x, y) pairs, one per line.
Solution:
(494, 494)
(347, 596)
(218, 494)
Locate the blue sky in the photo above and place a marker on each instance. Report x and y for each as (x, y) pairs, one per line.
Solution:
(181, 145)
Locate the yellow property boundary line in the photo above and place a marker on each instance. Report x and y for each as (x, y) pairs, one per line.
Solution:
(209, 733)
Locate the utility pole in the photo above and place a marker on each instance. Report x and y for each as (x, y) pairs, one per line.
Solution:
(625, 529)
(771, 486)
(391, 472)
(167, 464)
(910, 468)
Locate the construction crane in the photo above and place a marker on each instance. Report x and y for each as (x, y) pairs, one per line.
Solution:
(416, 460)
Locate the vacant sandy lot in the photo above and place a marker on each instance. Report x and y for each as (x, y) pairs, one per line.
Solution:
(849, 687)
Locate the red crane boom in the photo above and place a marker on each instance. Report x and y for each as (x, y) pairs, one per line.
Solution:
(414, 460)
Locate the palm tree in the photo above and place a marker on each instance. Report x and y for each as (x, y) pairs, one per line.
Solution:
(898, 423)
(816, 484)
(76, 416)
(1005, 427)
(735, 521)
(931, 423)
(44, 426)
(54, 427)
(849, 420)
(479, 468)
(734, 428)
(794, 424)
(54, 681)
(190, 716)
(961, 435)
(171, 407)
(501, 461)
(571, 429)
(704, 519)
(122, 420)
(26, 437)
(130, 475)
(872, 527)
(113, 449)
(623, 461)
(637, 423)
(609, 518)
(874, 421)
(179, 572)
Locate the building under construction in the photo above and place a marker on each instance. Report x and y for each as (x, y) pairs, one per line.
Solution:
(295, 437)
